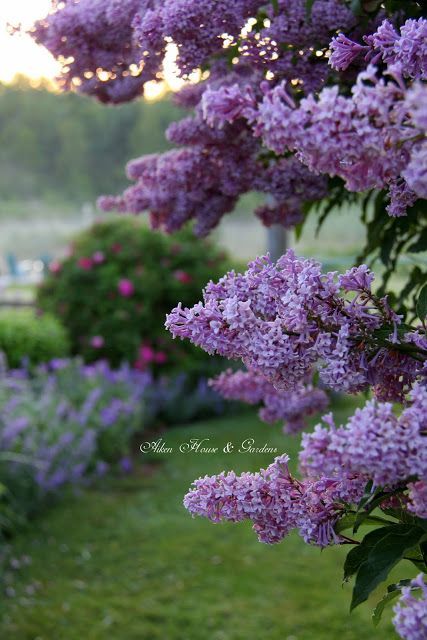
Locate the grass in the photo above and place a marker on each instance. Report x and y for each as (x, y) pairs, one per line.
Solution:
(124, 561)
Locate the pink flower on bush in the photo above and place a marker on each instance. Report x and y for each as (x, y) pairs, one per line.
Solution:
(116, 247)
(160, 357)
(182, 276)
(98, 257)
(97, 342)
(126, 288)
(147, 354)
(55, 266)
(85, 263)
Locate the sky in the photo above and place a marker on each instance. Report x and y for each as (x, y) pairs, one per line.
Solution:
(20, 54)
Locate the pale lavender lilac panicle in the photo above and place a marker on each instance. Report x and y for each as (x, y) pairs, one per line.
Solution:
(283, 320)
(291, 407)
(410, 613)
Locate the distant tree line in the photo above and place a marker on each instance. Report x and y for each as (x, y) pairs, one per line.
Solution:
(69, 148)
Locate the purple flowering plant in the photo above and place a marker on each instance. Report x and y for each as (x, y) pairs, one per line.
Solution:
(314, 103)
(62, 425)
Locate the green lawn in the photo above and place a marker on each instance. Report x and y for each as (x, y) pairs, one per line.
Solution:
(124, 561)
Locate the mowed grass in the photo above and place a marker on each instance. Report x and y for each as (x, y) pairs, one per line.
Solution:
(124, 561)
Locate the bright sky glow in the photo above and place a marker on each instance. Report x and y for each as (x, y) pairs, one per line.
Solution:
(20, 55)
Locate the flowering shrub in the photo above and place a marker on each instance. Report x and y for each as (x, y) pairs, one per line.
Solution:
(61, 425)
(113, 291)
(310, 102)
(25, 337)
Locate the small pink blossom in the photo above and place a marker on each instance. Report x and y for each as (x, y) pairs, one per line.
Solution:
(85, 263)
(182, 276)
(126, 288)
(55, 266)
(98, 257)
(147, 353)
(160, 357)
(97, 342)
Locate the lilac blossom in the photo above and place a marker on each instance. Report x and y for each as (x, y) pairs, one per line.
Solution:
(364, 139)
(405, 50)
(273, 500)
(375, 444)
(289, 407)
(410, 617)
(283, 320)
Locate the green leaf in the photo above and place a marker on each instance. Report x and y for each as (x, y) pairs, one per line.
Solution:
(393, 591)
(275, 4)
(422, 304)
(349, 520)
(308, 6)
(390, 544)
(359, 554)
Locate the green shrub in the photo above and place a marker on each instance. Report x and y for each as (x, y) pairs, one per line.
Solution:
(113, 292)
(24, 336)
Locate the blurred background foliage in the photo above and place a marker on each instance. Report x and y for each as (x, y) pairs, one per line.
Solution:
(63, 146)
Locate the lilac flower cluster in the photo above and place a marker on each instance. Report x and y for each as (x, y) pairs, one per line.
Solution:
(274, 501)
(410, 617)
(204, 179)
(110, 49)
(94, 41)
(283, 320)
(376, 445)
(367, 139)
(406, 51)
(290, 407)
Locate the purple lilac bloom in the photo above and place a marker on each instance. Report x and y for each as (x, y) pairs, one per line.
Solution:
(410, 617)
(289, 407)
(274, 501)
(284, 319)
(364, 139)
(375, 444)
(406, 51)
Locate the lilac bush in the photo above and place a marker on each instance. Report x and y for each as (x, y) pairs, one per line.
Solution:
(314, 103)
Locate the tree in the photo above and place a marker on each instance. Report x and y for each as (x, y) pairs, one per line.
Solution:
(313, 103)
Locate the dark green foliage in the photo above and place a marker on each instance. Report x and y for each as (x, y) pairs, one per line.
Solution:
(30, 338)
(377, 554)
(163, 270)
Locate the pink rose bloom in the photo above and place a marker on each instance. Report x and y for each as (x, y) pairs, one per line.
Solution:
(97, 342)
(182, 276)
(147, 354)
(85, 263)
(98, 257)
(126, 288)
(55, 266)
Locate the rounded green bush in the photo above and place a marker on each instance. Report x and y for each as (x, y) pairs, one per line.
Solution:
(114, 290)
(27, 337)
